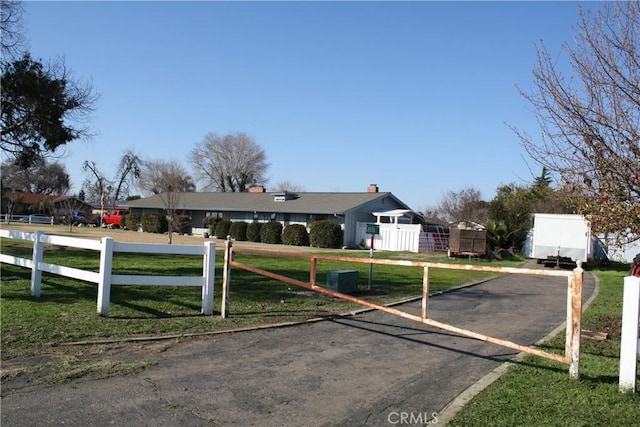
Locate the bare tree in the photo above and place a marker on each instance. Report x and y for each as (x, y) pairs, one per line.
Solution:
(10, 201)
(70, 208)
(97, 185)
(169, 180)
(231, 163)
(289, 186)
(128, 171)
(463, 205)
(590, 121)
(11, 29)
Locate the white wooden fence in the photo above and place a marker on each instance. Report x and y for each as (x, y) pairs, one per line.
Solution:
(630, 343)
(392, 237)
(104, 277)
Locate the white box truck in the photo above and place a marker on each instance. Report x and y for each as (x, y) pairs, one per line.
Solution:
(561, 239)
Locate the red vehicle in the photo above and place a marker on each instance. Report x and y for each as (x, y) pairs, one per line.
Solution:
(115, 218)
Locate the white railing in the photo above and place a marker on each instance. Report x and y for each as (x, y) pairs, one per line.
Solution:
(629, 338)
(28, 219)
(104, 277)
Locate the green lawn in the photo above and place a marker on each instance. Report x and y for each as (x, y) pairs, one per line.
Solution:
(534, 392)
(538, 392)
(66, 310)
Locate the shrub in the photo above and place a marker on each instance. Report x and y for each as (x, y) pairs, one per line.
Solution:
(133, 221)
(253, 231)
(271, 232)
(211, 222)
(238, 230)
(222, 229)
(182, 225)
(296, 235)
(325, 234)
(154, 223)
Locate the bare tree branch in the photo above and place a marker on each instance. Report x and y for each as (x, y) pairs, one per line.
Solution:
(231, 163)
(590, 121)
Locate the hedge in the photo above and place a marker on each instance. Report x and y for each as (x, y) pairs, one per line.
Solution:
(326, 234)
(295, 235)
(253, 231)
(222, 229)
(133, 221)
(238, 230)
(271, 232)
(154, 223)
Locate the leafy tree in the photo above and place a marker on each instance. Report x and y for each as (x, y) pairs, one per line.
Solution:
(231, 163)
(41, 177)
(590, 119)
(37, 102)
(43, 206)
(169, 180)
(510, 214)
(545, 199)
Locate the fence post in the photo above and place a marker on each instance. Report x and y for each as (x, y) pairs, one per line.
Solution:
(425, 291)
(209, 274)
(629, 345)
(36, 273)
(574, 320)
(226, 279)
(312, 271)
(104, 281)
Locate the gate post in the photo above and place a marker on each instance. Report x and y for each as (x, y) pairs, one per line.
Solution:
(36, 273)
(629, 345)
(574, 321)
(226, 278)
(425, 291)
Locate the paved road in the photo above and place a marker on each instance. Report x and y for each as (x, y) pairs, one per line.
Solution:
(366, 369)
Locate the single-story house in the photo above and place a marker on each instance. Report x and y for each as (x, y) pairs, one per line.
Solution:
(346, 209)
(21, 203)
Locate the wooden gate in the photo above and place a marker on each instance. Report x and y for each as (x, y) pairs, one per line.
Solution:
(574, 296)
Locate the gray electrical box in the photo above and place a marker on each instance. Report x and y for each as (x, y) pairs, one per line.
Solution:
(344, 281)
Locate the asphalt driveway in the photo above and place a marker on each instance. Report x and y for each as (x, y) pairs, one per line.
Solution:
(369, 369)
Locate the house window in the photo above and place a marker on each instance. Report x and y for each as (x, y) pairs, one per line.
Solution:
(273, 217)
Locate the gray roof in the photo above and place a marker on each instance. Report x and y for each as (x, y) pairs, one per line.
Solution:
(309, 203)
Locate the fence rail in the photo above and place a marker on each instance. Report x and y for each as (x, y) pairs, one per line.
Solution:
(574, 296)
(105, 277)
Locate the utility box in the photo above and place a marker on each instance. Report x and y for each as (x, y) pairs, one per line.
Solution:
(344, 281)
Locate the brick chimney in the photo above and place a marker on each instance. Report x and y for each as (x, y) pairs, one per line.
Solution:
(257, 189)
(372, 188)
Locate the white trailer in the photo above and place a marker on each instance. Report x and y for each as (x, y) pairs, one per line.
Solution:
(561, 239)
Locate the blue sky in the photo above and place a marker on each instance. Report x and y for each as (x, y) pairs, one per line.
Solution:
(412, 96)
